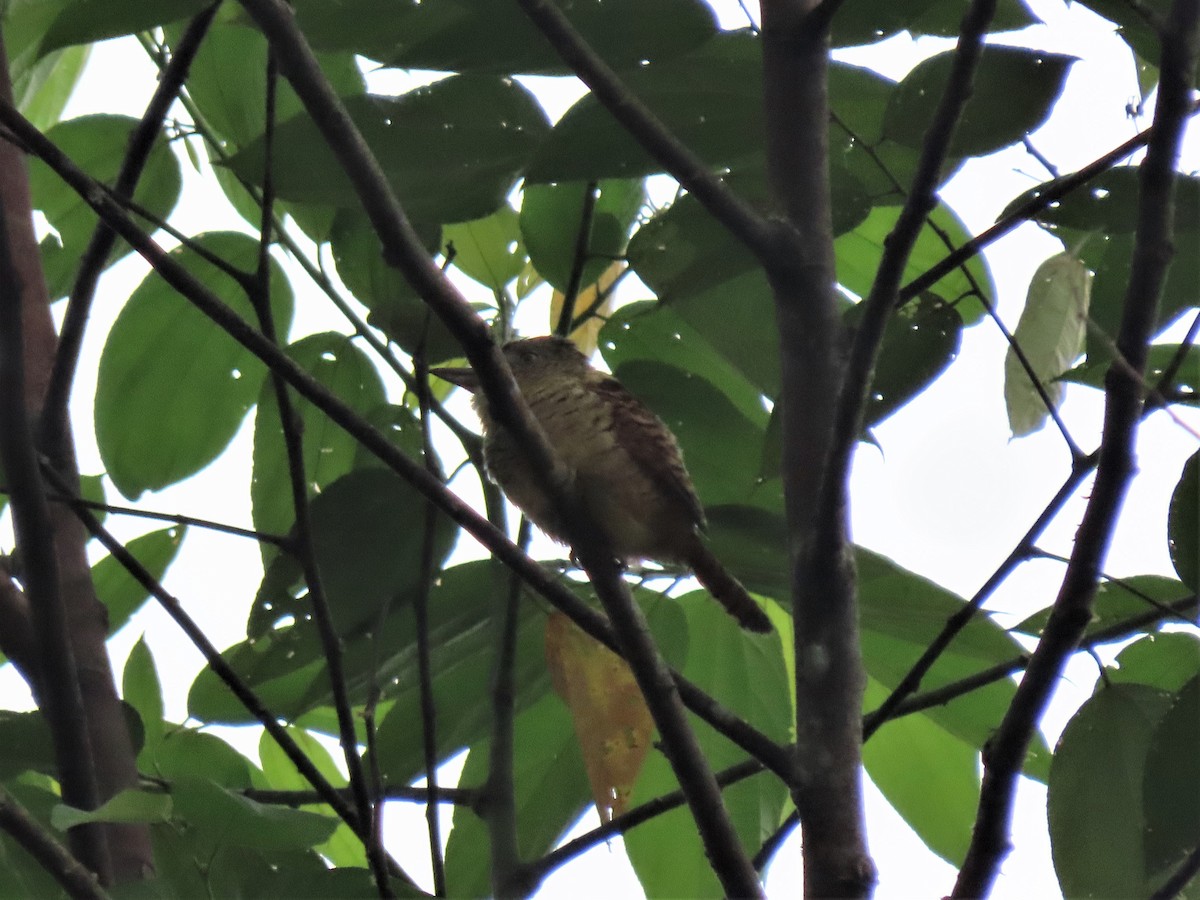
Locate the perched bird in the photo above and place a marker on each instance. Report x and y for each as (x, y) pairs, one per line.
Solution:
(623, 464)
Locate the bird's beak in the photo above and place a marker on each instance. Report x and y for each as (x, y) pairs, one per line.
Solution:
(464, 378)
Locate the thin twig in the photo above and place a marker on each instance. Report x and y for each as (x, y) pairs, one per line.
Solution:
(498, 798)
(421, 615)
(583, 240)
(277, 540)
(1180, 878)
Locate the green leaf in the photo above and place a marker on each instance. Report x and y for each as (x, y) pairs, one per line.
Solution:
(395, 307)
(464, 608)
(232, 819)
(1051, 333)
(328, 451)
(140, 688)
(655, 332)
(42, 92)
(552, 215)
(343, 848)
(1116, 602)
(859, 253)
(1185, 387)
(1170, 776)
(25, 744)
(474, 132)
(97, 145)
(1096, 835)
(550, 790)
(1165, 661)
(120, 593)
(495, 37)
(1183, 524)
(488, 249)
(866, 22)
(130, 806)
(1109, 204)
(1013, 92)
(173, 388)
(227, 82)
(368, 547)
(747, 673)
(920, 341)
(85, 21)
(928, 775)
(187, 753)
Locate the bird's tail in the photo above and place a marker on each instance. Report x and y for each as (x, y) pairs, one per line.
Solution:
(727, 590)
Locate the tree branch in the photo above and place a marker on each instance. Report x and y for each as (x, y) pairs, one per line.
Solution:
(56, 859)
(826, 782)
(57, 680)
(1152, 253)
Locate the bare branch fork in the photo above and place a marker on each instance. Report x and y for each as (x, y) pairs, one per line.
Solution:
(1072, 609)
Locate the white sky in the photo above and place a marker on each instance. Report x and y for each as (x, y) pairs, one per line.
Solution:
(948, 497)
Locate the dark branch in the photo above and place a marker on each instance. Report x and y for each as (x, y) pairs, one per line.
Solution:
(1005, 755)
(39, 843)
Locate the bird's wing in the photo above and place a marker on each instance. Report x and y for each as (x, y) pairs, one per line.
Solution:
(651, 445)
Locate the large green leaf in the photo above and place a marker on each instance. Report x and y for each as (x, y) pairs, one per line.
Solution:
(495, 37)
(1185, 388)
(173, 388)
(859, 252)
(1095, 802)
(1118, 601)
(328, 451)
(552, 216)
(920, 341)
(747, 673)
(1109, 204)
(367, 543)
(1171, 773)
(488, 249)
(140, 688)
(231, 818)
(865, 21)
(84, 21)
(227, 82)
(474, 132)
(655, 332)
(1012, 95)
(97, 145)
(928, 774)
(550, 790)
(42, 92)
(1183, 524)
(120, 593)
(394, 306)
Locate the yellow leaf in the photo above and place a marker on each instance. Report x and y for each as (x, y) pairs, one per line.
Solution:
(612, 724)
(586, 334)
